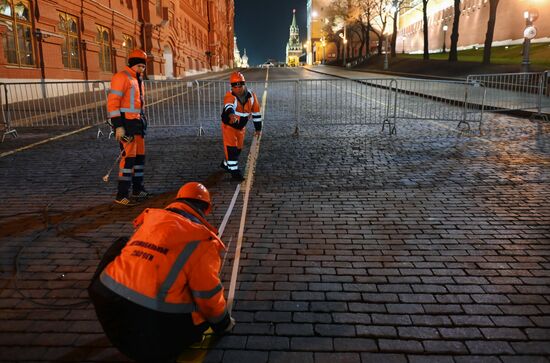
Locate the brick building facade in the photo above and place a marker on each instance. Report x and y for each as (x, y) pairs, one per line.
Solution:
(90, 39)
(474, 15)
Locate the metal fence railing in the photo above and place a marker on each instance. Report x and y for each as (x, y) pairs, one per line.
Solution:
(42, 104)
(420, 99)
(515, 91)
(172, 103)
(297, 103)
(383, 102)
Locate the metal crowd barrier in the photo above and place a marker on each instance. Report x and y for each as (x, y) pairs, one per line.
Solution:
(515, 91)
(295, 103)
(455, 101)
(343, 101)
(385, 101)
(43, 104)
(211, 96)
(172, 103)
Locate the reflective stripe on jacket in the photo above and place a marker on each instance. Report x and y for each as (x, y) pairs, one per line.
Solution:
(251, 107)
(125, 96)
(171, 264)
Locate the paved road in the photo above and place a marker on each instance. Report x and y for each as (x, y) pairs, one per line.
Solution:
(426, 246)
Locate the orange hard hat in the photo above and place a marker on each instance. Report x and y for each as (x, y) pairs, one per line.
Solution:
(138, 53)
(236, 77)
(197, 191)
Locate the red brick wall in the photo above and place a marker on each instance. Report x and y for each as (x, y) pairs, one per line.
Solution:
(473, 26)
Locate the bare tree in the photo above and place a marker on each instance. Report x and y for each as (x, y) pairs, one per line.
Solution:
(453, 53)
(425, 29)
(381, 21)
(331, 35)
(342, 14)
(367, 9)
(493, 4)
(398, 5)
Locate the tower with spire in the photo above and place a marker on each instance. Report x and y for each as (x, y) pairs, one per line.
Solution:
(293, 47)
(236, 53)
(244, 60)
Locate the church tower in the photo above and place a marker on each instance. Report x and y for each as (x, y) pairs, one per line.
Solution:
(244, 60)
(236, 53)
(293, 47)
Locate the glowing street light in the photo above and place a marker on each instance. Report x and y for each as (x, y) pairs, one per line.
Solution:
(345, 42)
(529, 33)
(445, 28)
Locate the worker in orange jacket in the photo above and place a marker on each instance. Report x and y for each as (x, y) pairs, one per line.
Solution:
(157, 292)
(239, 106)
(125, 107)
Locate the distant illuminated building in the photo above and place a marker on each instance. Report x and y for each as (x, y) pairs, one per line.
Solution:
(293, 47)
(236, 54)
(244, 60)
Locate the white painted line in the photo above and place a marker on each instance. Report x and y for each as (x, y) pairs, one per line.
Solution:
(250, 166)
(45, 141)
(229, 210)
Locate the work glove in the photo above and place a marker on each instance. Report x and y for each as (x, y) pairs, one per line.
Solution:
(231, 325)
(225, 326)
(233, 119)
(144, 121)
(120, 135)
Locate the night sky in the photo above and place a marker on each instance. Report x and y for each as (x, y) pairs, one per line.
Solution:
(262, 27)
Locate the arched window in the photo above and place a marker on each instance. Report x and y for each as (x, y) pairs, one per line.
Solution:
(18, 39)
(128, 44)
(70, 49)
(103, 39)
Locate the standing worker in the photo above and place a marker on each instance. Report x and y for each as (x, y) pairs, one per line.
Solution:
(239, 106)
(156, 293)
(125, 108)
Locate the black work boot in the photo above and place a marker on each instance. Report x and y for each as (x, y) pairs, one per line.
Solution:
(236, 175)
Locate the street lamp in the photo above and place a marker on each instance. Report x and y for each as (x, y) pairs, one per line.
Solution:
(529, 33)
(445, 28)
(309, 51)
(345, 42)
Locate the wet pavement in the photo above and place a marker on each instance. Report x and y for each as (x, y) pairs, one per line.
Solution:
(425, 246)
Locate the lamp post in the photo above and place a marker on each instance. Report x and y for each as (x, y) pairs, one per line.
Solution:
(345, 41)
(529, 33)
(309, 51)
(323, 44)
(386, 65)
(445, 28)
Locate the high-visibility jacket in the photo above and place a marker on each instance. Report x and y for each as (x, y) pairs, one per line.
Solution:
(171, 264)
(125, 100)
(250, 107)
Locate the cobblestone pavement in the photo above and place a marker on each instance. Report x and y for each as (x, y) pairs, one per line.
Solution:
(425, 246)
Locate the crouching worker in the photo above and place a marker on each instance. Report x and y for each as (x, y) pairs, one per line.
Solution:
(156, 293)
